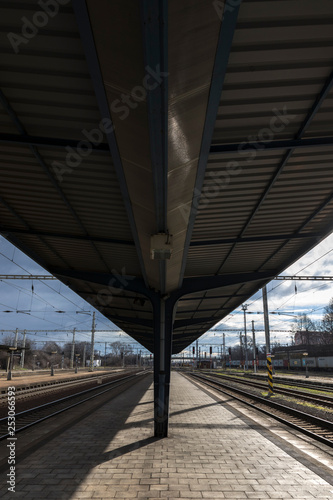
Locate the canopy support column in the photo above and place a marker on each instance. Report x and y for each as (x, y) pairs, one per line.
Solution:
(163, 324)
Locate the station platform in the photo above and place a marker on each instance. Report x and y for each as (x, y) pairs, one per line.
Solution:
(313, 378)
(215, 449)
(29, 379)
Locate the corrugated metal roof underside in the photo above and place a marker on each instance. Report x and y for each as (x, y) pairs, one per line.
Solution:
(280, 60)
(74, 216)
(62, 206)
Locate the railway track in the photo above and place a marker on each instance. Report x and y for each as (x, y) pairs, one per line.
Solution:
(297, 383)
(47, 387)
(33, 416)
(317, 428)
(26, 386)
(319, 399)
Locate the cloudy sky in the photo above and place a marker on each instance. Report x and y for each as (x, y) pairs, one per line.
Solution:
(34, 305)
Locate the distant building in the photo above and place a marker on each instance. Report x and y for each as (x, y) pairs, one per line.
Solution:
(97, 362)
(309, 337)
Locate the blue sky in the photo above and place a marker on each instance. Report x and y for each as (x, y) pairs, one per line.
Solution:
(38, 306)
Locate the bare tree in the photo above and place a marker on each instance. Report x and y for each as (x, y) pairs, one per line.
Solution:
(327, 320)
(304, 323)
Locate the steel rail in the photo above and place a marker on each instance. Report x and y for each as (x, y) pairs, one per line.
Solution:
(57, 385)
(325, 425)
(322, 398)
(31, 411)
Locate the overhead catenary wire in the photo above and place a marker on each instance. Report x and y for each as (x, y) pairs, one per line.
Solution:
(24, 290)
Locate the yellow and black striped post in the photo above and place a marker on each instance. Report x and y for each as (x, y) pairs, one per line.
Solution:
(270, 374)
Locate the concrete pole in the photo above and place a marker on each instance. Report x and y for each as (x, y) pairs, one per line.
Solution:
(84, 355)
(72, 351)
(266, 320)
(91, 369)
(223, 350)
(254, 348)
(268, 342)
(11, 364)
(244, 307)
(23, 349)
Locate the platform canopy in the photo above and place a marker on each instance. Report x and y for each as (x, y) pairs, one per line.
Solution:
(192, 129)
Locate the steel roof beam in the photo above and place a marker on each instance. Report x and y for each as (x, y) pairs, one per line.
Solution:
(31, 232)
(47, 171)
(210, 297)
(270, 145)
(311, 114)
(88, 43)
(154, 20)
(194, 311)
(29, 140)
(253, 239)
(137, 321)
(227, 30)
(181, 323)
(19, 244)
(204, 283)
(314, 214)
(116, 281)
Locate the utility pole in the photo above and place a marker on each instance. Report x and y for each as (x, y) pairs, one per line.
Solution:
(254, 348)
(91, 369)
(268, 342)
(72, 352)
(23, 349)
(11, 364)
(84, 355)
(223, 364)
(241, 347)
(105, 354)
(11, 359)
(16, 336)
(266, 320)
(244, 307)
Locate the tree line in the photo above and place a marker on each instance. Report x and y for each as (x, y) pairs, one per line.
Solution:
(322, 329)
(60, 354)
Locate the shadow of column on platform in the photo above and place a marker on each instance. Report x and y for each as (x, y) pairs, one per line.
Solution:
(55, 471)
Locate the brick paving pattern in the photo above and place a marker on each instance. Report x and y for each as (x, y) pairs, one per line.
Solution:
(210, 453)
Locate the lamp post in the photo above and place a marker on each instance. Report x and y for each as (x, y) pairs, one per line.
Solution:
(246, 366)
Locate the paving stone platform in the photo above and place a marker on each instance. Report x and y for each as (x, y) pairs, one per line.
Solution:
(212, 452)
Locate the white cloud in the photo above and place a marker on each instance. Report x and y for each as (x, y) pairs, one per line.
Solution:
(311, 298)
